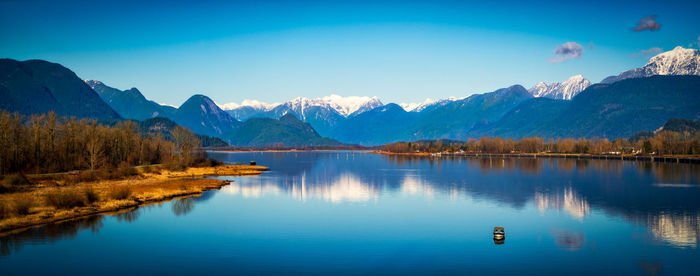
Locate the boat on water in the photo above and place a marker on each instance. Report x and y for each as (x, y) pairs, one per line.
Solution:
(499, 233)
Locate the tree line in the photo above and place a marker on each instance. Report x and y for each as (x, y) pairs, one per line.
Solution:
(47, 143)
(660, 143)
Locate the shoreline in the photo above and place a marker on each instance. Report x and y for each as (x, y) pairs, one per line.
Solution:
(150, 188)
(643, 158)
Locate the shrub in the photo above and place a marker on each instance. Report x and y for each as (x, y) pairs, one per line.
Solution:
(146, 169)
(120, 192)
(5, 209)
(4, 188)
(64, 199)
(14, 180)
(174, 166)
(124, 170)
(90, 195)
(22, 205)
(83, 176)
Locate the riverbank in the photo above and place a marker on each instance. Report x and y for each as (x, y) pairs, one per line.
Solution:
(647, 158)
(48, 201)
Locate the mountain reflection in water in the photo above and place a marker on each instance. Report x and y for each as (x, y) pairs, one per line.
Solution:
(355, 208)
(576, 187)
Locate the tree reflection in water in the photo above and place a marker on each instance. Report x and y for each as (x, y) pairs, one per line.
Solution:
(70, 229)
(128, 216)
(49, 233)
(183, 206)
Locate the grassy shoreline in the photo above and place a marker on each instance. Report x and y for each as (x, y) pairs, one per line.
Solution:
(49, 203)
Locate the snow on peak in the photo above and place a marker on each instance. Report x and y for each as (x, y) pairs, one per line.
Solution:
(250, 103)
(560, 91)
(345, 106)
(679, 61)
(418, 107)
(351, 104)
(413, 106)
(165, 104)
(93, 83)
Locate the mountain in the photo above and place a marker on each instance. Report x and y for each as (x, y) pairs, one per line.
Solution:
(201, 115)
(609, 111)
(560, 91)
(130, 104)
(427, 104)
(455, 119)
(679, 61)
(247, 109)
(287, 131)
(378, 126)
(323, 113)
(164, 127)
(37, 86)
(682, 125)
(525, 120)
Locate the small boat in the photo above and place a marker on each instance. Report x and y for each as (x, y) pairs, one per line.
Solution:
(252, 163)
(499, 233)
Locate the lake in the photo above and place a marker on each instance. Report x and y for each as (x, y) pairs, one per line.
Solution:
(344, 212)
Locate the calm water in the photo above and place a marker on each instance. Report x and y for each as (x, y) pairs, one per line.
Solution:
(360, 213)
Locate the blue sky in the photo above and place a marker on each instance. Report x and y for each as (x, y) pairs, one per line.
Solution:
(399, 51)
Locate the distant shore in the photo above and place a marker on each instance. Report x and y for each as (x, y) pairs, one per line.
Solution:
(112, 195)
(284, 149)
(648, 158)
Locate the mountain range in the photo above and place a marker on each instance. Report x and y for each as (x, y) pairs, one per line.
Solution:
(639, 99)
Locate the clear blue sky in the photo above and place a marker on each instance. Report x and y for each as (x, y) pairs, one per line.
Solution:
(399, 51)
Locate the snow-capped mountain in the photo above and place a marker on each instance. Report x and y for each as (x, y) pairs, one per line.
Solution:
(560, 91)
(255, 104)
(322, 113)
(679, 61)
(428, 103)
(344, 106)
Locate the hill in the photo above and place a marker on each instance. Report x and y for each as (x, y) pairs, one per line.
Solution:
(37, 86)
(287, 131)
(164, 126)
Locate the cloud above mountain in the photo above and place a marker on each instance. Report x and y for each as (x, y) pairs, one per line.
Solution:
(566, 52)
(647, 23)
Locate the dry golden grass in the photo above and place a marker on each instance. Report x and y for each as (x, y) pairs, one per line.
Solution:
(51, 201)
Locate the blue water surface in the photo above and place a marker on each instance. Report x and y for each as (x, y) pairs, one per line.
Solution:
(344, 212)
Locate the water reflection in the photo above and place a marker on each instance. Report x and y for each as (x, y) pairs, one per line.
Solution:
(70, 229)
(567, 200)
(626, 189)
(49, 233)
(568, 239)
(414, 207)
(128, 215)
(183, 206)
(677, 229)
